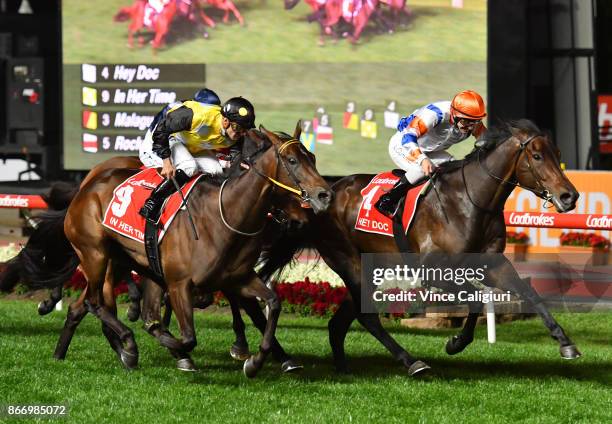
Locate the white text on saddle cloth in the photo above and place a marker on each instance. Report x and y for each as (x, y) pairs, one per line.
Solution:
(122, 214)
(369, 219)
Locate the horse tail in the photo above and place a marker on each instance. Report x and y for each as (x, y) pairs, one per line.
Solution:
(48, 259)
(282, 252)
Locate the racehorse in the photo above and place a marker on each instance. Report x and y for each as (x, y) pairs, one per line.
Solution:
(334, 14)
(227, 6)
(467, 217)
(159, 22)
(45, 261)
(222, 259)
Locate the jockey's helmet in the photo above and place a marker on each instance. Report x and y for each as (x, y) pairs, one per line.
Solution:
(207, 96)
(468, 105)
(240, 111)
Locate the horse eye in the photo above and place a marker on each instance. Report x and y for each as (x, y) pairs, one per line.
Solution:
(292, 160)
(537, 156)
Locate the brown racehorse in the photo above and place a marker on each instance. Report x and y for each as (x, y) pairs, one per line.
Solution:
(472, 198)
(223, 257)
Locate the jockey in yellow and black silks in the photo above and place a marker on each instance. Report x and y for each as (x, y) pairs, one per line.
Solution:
(184, 141)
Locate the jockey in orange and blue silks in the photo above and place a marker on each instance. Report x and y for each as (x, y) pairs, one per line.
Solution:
(421, 140)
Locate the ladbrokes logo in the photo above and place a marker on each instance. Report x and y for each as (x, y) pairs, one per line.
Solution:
(518, 219)
(600, 222)
(14, 202)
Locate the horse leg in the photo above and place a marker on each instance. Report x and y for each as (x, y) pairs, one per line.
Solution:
(351, 275)
(111, 304)
(135, 296)
(505, 277)
(207, 19)
(338, 327)
(167, 311)
(256, 288)
(240, 348)
(460, 341)
(11, 274)
(96, 264)
(76, 313)
(181, 299)
(47, 306)
(151, 316)
(251, 307)
(236, 13)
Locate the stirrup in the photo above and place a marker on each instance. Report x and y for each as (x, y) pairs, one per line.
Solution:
(382, 208)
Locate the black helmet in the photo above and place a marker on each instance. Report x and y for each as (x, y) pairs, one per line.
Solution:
(207, 96)
(240, 111)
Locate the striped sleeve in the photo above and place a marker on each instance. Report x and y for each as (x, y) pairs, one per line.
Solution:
(417, 125)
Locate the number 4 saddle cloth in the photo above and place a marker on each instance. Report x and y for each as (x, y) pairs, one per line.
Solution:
(122, 214)
(371, 220)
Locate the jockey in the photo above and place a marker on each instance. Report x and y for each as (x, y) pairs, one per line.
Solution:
(421, 140)
(183, 142)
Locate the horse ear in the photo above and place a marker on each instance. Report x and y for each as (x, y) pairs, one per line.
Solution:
(298, 130)
(271, 136)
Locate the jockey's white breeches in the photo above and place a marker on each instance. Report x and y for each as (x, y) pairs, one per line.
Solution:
(414, 172)
(206, 162)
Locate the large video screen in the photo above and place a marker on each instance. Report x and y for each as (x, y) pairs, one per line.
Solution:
(347, 68)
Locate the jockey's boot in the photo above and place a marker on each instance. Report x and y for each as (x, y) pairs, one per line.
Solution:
(151, 209)
(388, 203)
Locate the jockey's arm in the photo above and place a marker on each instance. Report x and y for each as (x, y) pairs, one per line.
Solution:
(175, 121)
(412, 128)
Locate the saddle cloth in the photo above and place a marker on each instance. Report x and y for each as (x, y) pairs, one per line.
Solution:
(370, 220)
(122, 214)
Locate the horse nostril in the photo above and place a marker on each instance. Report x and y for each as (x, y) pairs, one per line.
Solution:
(568, 197)
(324, 196)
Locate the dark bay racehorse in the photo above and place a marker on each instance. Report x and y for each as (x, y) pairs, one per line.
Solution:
(222, 259)
(472, 197)
(46, 262)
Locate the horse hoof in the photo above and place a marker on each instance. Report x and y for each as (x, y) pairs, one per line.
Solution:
(291, 365)
(239, 353)
(570, 352)
(418, 367)
(249, 368)
(128, 359)
(133, 314)
(43, 309)
(186, 364)
(455, 345)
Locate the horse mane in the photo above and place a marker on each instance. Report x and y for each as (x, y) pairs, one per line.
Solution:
(251, 150)
(498, 134)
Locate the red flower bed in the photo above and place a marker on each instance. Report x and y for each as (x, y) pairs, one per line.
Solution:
(584, 240)
(516, 238)
(77, 283)
(307, 298)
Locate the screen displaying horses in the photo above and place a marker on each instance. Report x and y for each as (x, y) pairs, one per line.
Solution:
(349, 69)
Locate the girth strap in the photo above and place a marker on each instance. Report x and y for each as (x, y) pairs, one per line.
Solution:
(152, 248)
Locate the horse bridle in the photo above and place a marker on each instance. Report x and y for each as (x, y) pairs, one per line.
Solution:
(249, 162)
(542, 194)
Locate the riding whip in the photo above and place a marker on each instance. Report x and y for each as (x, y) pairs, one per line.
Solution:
(193, 227)
(433, 183)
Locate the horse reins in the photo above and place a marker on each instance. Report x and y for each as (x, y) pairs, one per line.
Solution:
(250, 162)
(543, 194)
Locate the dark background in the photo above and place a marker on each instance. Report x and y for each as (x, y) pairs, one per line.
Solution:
(520, 68)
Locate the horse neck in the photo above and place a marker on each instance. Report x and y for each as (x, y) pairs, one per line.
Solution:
(486, 191)
(247, 199)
